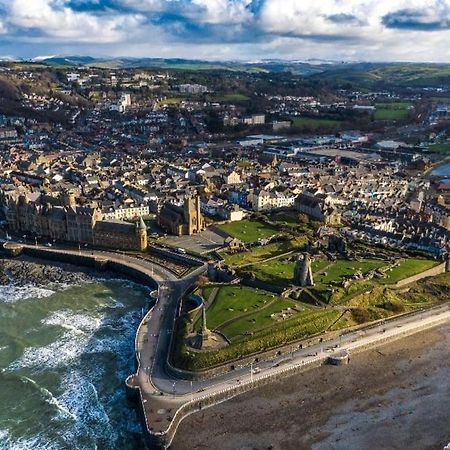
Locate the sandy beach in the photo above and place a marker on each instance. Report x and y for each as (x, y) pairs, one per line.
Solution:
(394, 397)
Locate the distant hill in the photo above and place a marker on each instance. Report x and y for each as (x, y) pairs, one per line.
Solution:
(371, 75)
(264, 66)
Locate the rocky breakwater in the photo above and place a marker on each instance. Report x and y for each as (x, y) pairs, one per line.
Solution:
(25, 272)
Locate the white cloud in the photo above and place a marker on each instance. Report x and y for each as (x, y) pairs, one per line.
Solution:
(54, 19)
(297, 29)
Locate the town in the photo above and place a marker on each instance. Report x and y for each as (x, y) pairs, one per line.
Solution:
(276, 212)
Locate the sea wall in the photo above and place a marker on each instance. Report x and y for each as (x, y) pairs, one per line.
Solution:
(94, 262)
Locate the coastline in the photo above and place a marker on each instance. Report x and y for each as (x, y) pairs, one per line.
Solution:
(393, 396)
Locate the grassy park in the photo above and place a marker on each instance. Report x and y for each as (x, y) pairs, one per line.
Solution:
(261, 253)
(316, 123)
(249, 230)
(443, 148)
(254, 320)
(392, 111)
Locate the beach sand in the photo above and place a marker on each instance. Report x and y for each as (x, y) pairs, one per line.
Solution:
(394, 397)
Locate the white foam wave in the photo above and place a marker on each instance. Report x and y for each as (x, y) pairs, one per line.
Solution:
(79, 323)
(80, 398)
(69, 347)
(12, 293)
(51, 399)
(35, 443)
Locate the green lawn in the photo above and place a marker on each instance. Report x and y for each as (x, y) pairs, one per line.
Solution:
(248, 230)
(443, 148)
(232, 98)
(315, 123)
(233, 301)
(171, 101)
(408, 268)
(342, 268)
(261, 253)
(392, 111)
(258, 321)
(281, 271)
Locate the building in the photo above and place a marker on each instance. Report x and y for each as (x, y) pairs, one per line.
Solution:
(121, 235)
(317, 208)
(186, 220)
(255, 119)
(61, 219)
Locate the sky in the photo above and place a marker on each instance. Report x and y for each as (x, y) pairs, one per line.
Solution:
(251, 30)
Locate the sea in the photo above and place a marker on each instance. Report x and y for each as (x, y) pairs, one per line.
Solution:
(441, 171)
(65, 352)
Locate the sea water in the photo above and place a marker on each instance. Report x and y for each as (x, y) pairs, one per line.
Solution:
(65, 352)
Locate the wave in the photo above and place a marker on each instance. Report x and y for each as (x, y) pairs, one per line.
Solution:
(68, 348)
(35, 443)
(12, 293)
(81, 398)
(49, 398)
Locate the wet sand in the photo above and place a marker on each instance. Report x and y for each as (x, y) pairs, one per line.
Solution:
(393, 397)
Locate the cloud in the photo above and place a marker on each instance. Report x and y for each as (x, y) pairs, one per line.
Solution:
(425, 19)
(298, 29)
(54, 19)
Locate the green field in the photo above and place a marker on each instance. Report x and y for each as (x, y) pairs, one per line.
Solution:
(392, 111)
(171, 101)
(241, 312)
(443, 148)
(233, 301)
(248, 230)
(232, 98)
(261, 253)
(316, 123)
(408, 268)
(281, 271)
(255, 320)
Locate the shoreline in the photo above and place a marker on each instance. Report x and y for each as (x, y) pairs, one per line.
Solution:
(392, 396)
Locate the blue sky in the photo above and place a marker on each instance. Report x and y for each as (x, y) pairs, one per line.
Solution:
(375, 30)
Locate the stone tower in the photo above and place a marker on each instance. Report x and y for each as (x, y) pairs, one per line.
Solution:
(302, 271)
(68, 199)
(193, 216)
(141, 233)
(205, 332)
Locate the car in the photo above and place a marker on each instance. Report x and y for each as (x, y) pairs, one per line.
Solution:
(47, 244)
(180, 250)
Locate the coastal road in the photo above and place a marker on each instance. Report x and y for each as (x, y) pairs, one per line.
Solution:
(348, 342)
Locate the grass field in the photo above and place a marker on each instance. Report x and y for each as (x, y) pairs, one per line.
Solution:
(232, 98)
(281, 271)
(408, 268)
(313, 123)
(261, 253)
(248, 230)
(171, 101)
(239, 311)
(392, 111)
(340, 269)
(443, 148)
(255, 320)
